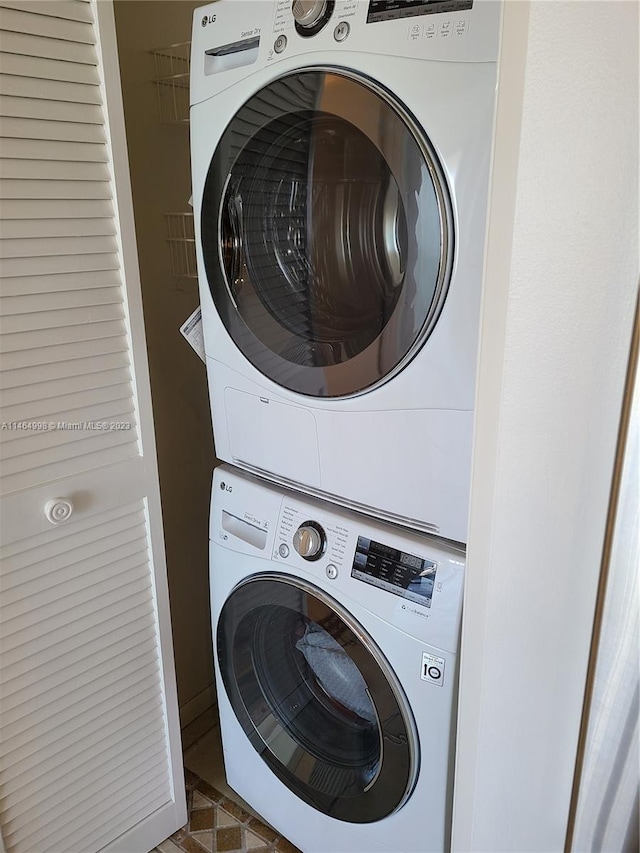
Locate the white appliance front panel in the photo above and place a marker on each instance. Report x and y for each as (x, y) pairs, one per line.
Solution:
(401, 450)
(423, 822)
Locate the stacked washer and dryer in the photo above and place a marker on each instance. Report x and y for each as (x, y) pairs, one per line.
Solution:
(340, 164)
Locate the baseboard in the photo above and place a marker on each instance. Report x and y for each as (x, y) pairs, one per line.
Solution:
(198, 715)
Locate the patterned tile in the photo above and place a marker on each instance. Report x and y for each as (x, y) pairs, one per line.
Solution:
(228, 838)
(219, 825)
(202, 819)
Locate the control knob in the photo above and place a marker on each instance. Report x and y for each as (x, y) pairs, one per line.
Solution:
(311, 15)
(310, 540)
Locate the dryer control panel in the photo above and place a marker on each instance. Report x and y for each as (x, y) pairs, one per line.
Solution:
(232, 40)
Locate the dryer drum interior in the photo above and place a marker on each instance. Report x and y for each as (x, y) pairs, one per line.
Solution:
(327, 233)
(317, 699)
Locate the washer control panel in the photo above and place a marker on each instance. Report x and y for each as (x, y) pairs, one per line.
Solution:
(407, 579)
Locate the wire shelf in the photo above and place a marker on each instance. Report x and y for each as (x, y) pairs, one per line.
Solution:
(172, 82)
(182, 244)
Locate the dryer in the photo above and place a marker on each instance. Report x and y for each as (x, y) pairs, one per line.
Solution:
(340, 163)
(335, 642)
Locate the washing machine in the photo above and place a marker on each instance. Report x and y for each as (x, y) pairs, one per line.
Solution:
(335, 642)
(340, 166)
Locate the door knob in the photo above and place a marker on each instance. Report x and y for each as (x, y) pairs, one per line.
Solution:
(58, 510)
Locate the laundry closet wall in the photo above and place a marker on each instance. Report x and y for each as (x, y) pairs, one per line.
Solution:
(161, 184)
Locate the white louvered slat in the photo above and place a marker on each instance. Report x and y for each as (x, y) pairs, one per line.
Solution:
(19, 188)
(63, 300)
(62, 335)
(42, 170)
(47, 149)
(21, 20)
(48, 110)
(66, 131)
(63, 369)
(47, 69)
(18, 86)
(41, 391)
(55, 409)
(51, 246)
(65, 317)
(20, 229)
(48, 48)
(83, 715)
(70, 9)
(46, 356)
(58, 264)
(49, 209)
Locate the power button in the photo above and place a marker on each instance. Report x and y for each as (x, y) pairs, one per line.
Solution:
(332, 572)
(279, 44)
(341, 31)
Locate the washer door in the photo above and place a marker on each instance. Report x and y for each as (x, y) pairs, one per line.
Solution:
(327, 233)
(317, 699)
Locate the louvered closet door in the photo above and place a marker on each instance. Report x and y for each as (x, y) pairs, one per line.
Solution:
(89, 736)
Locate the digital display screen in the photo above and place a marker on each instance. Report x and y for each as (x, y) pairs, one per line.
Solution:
(395, 571)
(388, 10)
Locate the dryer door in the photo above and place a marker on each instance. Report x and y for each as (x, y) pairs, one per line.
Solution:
(316, 698)
(327, 233)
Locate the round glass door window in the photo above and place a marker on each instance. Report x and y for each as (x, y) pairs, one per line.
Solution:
(327, 233)
(317, 699)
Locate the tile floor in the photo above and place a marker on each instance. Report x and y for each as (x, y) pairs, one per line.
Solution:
(217, 824)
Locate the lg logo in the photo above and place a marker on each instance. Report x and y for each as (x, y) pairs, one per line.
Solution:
(208, 19)
(225, 487)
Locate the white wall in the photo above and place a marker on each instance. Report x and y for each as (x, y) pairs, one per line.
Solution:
(561, 279)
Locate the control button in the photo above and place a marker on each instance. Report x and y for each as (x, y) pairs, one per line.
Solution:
(279, 44)
(341, 31)
(283, 550)
(332, 571)
(310, 540)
